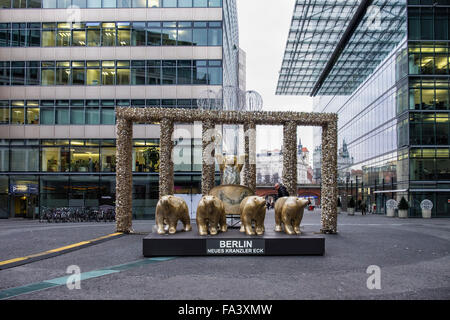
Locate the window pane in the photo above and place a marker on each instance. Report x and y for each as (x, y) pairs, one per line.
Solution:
(201, 3)
(62, 116)
(123, 3)
(215, 3)
(109, 4)
(154, 37)
(154, 76)
(78, 77)
(153, 3)
(108, 116)
(185, 3)
(47, 116)
(32, 115)
(169, 75)
(108, 36)
(138, 34)
(4, 115)
(138, 76)
(77, 115)
(17, 116)
(93, 115)
(79, 3)
(93, 38)
(200, 75)
(184, 75)
(93, 77)
(24, 159)
(94, 3)
(215, 37)
(5, 3)
(185, 37)
(17, 76)
(62, 76)
(19, 3)
(123, 37)
(169, 3)
(55, 159)
(34, 38)
(63, 3)
(4, 162)
(108, 76)
(79, 38)
(48, 38)
(108, 159)
(139, 3)
(169, 37)
(84, 159)
(123, 76)
(200, 37)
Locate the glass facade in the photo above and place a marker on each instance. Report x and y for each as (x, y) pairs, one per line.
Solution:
(81, 173)
(103, 34)
(394, 114)
(111, 73)
(79, 112)
(62, 4)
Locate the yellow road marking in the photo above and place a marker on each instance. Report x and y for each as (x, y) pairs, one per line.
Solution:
(12, 260)
(59, 249)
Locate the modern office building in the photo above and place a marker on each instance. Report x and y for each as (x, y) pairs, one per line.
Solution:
(383, 66)
(65, 65)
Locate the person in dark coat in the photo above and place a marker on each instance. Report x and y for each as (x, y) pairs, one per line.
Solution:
(282, 191)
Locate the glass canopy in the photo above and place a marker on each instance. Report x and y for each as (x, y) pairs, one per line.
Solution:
(316, 30)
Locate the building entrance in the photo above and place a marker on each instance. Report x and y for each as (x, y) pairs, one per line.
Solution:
(23, 206)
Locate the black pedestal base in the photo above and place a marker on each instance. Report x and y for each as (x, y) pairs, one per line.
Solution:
(232, 243)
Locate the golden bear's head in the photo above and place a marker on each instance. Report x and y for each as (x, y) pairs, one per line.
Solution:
(166, 200)
(302, 203)
(259, 201)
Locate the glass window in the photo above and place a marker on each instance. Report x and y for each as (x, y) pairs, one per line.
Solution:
(48, 38)
(139, 3)
(123, 76)
(215, 3)
(93, 76)
(4, 163)
(19, 3)
(108, 159)
(185, 3)
(169, 37)
(200, 3)
(153, 37)
(184, 75)
(138, 34)
(79, 38)
(138, 76)
(108, 34)
(17, 116)
(63, 3)
(153, 3)
(24, 159)
(215, 37)
(4, 115)
(63, 35)
(4, 74)
(5, 35)
(123, 3)
(169, 75)
(5, 3)
(78, 76)
(48, 4)
(108, 116)
(84, 159)
(62, 115)
(32, 115)
(169, 3)
(200, 75)
(200, 37)
(123, 33)
(55, 159)
(108, 74)
(184, 37)
(79, 3)
(47, 115)
(77, 115)
(145, 158)
(92, 115)
(93, 36)
(34, 38)
(427, 64)
(154, 75)
(426, 24)
(63, 75)
(94, 3)
(17, 74)
(109, 4)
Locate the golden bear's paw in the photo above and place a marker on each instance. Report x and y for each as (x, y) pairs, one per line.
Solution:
(187, 228)
(161, 231)
(213, 231)
(278, 228)
(259, 231)
(224, 228)
(242, 229)
(172, 230)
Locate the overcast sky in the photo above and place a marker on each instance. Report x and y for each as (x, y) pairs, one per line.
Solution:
(263, 31)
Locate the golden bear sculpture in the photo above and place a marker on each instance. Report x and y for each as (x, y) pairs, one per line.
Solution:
(253, 208)
(210, 215)
(169, 210)
(289, 212)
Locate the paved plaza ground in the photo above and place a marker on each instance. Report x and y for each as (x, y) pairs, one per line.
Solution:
(413, 255)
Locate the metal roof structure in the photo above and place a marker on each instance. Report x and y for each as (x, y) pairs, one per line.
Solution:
(334, 45)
